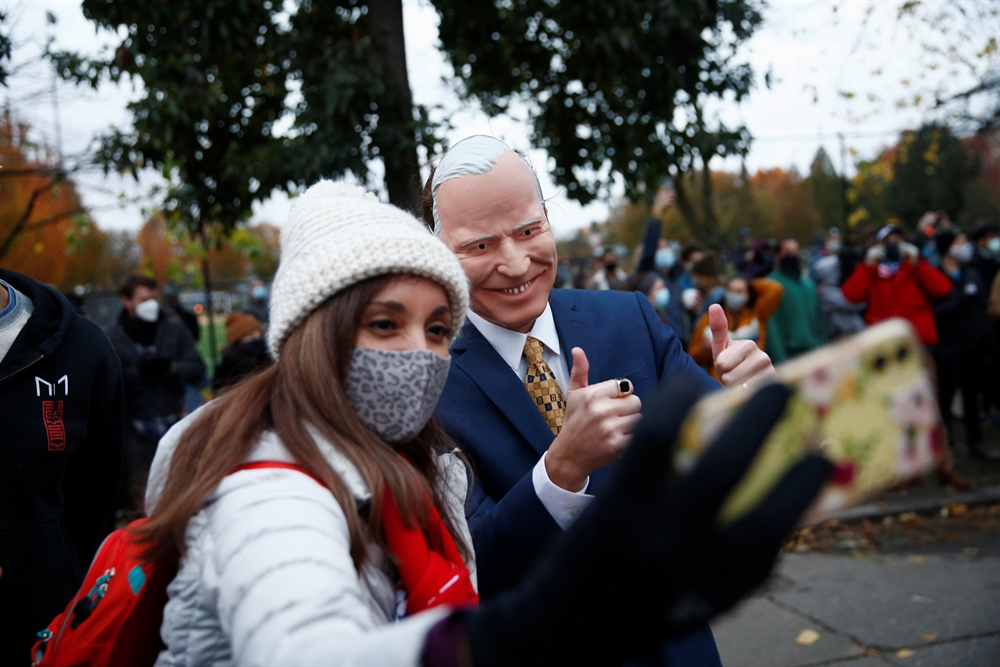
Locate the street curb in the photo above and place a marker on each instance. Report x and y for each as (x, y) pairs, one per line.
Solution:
(989, 494)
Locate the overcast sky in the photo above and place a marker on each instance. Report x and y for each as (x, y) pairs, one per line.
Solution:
(836, 67)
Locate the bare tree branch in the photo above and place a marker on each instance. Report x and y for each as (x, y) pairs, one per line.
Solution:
(23, 220)
(53, 219)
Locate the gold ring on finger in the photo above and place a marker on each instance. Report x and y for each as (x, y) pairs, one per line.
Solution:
(624, 387)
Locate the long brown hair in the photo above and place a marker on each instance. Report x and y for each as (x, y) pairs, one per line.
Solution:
(305, 387)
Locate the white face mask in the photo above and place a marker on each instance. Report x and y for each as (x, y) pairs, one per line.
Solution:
(961, 252)
(735, 301)
(993, 245)
(148, 310)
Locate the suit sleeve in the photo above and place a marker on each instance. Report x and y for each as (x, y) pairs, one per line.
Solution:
(509, 536)
(94, 476)
(671, 359)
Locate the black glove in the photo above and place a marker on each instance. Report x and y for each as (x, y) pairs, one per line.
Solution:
(151, 364)
(647, 560)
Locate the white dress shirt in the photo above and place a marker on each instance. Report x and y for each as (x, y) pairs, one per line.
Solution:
(563, 505)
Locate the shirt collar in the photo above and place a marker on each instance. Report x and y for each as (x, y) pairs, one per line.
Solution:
(510, 344)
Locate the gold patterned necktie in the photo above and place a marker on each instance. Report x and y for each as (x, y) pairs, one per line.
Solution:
(543, 387)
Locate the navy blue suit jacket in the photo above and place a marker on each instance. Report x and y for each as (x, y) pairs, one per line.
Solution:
(486, 408)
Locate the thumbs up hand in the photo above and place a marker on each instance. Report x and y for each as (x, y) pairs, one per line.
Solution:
(736, 361)
(599, 423)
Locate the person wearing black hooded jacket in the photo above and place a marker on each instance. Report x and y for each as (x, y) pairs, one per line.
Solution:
(158, 357)
(60, 455)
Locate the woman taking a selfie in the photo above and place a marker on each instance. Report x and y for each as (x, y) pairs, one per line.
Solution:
(316, 509)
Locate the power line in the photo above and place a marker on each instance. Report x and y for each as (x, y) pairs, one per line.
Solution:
(823, 136)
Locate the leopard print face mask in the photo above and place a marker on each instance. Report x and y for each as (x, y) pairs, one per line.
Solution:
(395, 393)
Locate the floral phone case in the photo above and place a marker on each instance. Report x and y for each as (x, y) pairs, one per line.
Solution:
(867, 403)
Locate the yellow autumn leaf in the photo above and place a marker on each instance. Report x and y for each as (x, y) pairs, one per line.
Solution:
(807, 637)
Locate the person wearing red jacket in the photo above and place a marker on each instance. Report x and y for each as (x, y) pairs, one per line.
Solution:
(896, 282)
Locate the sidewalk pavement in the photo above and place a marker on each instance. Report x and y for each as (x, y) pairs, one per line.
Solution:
(936, 605)
(931, 610)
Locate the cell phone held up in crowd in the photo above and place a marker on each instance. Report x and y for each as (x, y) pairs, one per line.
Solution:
(867, 403)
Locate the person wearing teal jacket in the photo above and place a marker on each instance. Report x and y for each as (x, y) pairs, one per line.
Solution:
(797, 326)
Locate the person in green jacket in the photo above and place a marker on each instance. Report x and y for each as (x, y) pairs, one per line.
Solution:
(797, 325)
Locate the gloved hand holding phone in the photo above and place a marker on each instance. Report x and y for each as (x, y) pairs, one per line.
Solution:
(648, 560)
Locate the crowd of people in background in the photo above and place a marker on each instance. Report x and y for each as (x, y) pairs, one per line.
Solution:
(790, 300)
(786, 299)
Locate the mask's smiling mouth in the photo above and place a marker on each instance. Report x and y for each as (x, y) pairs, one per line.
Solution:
(518, 289)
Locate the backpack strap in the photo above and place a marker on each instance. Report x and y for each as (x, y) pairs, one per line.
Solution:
(363, 506)
(258, 465)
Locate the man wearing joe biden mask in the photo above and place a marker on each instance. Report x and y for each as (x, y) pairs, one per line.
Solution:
(546, 385)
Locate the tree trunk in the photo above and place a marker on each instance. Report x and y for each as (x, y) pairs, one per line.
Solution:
(686, 207)
(709, 221)
(395, 135)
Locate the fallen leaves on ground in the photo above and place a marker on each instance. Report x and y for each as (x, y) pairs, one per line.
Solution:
(930, 637)
(904, 653)
(807, 637)
(959, 523)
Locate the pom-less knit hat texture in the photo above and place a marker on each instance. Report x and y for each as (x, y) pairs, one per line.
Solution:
(338, 235)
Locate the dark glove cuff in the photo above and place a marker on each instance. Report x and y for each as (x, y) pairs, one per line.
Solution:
(446, 644)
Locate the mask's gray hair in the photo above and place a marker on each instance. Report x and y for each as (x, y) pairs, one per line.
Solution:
(473, 155)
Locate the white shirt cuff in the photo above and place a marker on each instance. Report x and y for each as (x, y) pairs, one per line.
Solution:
(564, 506)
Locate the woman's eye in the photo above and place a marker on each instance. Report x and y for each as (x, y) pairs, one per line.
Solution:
(382, 324)
(438, 330)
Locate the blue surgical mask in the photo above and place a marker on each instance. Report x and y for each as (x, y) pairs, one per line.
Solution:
(665, 259)
(259, 292)
(661, 298)
(993, 245)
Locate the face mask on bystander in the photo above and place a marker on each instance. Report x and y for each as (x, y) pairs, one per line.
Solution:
(735, 301)
(148, 310)
(962, 252)
(661, 298)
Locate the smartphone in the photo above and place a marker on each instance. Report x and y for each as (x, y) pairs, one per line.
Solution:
(867, 403)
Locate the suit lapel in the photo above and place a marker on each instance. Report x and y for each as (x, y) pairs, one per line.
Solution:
(501, 385)
(574, 331)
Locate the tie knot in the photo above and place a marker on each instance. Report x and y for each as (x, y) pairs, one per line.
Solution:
(533, 350)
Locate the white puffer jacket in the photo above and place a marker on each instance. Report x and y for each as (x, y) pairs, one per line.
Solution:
(268, 578)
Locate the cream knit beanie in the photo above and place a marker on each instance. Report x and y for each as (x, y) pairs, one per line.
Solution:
(338, 235)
